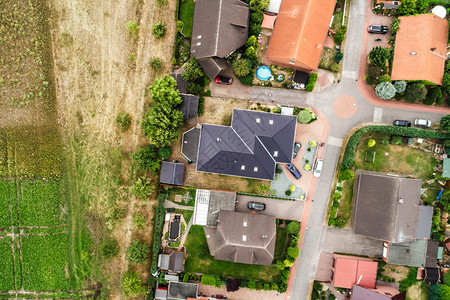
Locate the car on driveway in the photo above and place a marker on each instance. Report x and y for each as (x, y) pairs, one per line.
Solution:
(297, 147)
(294, 171)
(318, 168)
(256, 206)
(402, 123)
(422, 123)
(224, 80)
(378, 29)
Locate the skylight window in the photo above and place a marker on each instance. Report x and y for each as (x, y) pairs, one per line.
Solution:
(199, 37)
(271, 122)
(275, 153)
(255, 169)
(199, 43)
(243, 167)
(245, 224)
(258, 120)
(244, 238)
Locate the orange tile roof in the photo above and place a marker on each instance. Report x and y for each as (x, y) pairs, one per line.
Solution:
(420, 48)
(349, 270)
(300, 31)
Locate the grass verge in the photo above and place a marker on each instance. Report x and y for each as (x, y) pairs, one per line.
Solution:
(187, 16)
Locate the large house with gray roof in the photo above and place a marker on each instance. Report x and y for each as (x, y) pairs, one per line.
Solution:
(220, 27)
(250, 147)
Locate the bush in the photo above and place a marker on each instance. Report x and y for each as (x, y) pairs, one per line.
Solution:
(156, 64)
(335, 68)
(137, 252)
(374, 71)
(385, 90)
(384, 78)
(192, 71)
(133, 28)
(445, 123)
(339, 56)
(123, 120)
(415, 92)
(440, 101)
(254, 29)
(282, 288)
(233, 285)
(345, 175)
(311, 82)
(159, 30)
(400, 86)
(340, 35)
(142, 188)
(446, 81)
(293, 252)
(147, 158)
(247, 80)
(241, 67)
(370, 80)
(139, 221)
(132, 286)
(251, 284)
(378, 56)
(165, 152)
(293, 227)
(304, 117)
(211, 280)
(288, 192)
(370, 143)
(108, 248)
(180, 25)
(185, 277)
(432, 95)
(396, 140)
(395, 25)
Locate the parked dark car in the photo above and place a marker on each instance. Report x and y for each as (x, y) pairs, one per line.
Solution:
(224, 80)
(297, 147)
(402, 123)
(256, 206)
(378, 29)
(294, 171)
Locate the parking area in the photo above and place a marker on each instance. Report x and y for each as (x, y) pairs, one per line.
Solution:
(236, 90)
(281, 209)
(379, 20)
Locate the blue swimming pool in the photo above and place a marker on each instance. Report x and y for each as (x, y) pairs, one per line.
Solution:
(263, 73)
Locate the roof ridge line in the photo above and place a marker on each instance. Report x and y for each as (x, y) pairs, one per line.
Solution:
(287, 124)
(231, 126)
(216, 44)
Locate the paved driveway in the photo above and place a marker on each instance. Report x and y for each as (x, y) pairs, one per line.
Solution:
(281, 209)
(345, 241)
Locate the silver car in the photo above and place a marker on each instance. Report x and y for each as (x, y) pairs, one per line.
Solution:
(422, 123)
(318, 168)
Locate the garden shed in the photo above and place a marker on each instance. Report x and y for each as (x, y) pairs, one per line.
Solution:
(172, 173)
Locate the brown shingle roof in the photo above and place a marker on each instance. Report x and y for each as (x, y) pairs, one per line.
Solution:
(426, 36)
(245, 238)
(220, 27)
(300, 32)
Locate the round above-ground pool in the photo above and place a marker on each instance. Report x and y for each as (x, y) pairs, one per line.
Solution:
(263, 73)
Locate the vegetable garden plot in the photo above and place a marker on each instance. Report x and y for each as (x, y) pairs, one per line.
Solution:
(5, 220)
(6, 265)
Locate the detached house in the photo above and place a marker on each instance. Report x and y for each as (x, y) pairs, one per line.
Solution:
(299, 34)
(220, 27)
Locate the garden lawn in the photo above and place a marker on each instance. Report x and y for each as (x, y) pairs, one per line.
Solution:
(6, 265)
(281, 242)
(187, 214)
(45, 264)
(199, 260)
(346, 202)
(5, 220)
(187, 16)
(172, 192)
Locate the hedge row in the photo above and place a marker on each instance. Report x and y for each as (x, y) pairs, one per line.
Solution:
(211, 280)
(349, 154)
(159, 222)
(311, 82)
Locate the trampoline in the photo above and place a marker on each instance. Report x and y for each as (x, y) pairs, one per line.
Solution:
(263, 73)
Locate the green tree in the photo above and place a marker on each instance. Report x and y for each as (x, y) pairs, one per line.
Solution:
(445, 292)
(252, 42)
(241, 67)
(159, 30)
(164, 91)
(385, 78)
(385, 90)
(180, 25)
(395, 25)
(137, 252)
(142, 188)
(446, 81)
(192, 71)
(432, 95)
(444, 200)
(400, 86)
(345, 175)
(147, 158)
(133, 28)
(445, 123)
(293, 252)
(138, 221)
(304, 117)
(370, 143)
(251, 52)
(156, 64)
(108, 248)
(435, 292)
(165, 152)
(339, 56)
(408, 7)
(415, 92)
(259, 5)
(378, 56)
(293, 227)
(131, 285)
(340, 35)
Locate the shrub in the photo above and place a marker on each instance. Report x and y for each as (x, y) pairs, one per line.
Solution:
(185, 277)
(156, 64)
(446, 81)
(335, 68)
(255, 29)
(400, 86)
(251, 284)
(233, 285)
(142, 188)
(266, 287)
(293, 227)
(384, 78)
(385, 90)
(378, 56)
(251, 52)
(288, 192)
(241, 67)
(313, 143)
(147, 158)
(137, 252)
(247, 80)
(340, 35)
(138, 221)
(180, 25)
(292, 188)
(256, 17)
(210, 280)
(311, 82)
(370, 80)
(307, 167)
(370, 143)
(373, 71)
(345, 175)
(131, 285)
(339, 56)
(432, 95)
(396, 140)
(162, 3)
(133, 28)
(395, 25)
(282, 288)
(415, 92)
(440, 101)
(258, 5)
(165, 152)
(192, 71)
(304, 117)
(293, 252)
(159, 30)
(123, 120)
(108, 248)
(445, 123)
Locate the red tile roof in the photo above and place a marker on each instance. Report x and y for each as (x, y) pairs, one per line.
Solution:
(420, 48)
(349, 270)
(300, 31)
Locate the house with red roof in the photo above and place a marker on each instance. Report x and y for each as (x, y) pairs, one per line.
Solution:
(350, 270)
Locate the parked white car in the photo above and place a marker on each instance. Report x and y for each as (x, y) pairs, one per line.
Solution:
(422, 123)
(318, 168)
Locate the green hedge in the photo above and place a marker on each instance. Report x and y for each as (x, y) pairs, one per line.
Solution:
(211, 280)
(311, 82)
(349, 154)
(159, 222)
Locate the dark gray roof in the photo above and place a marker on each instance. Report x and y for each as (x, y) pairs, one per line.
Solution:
(171, 173)
(172, 262)
(419, 253)
(432, 275)
(220, 27)
(181, 83)
(181, 291)
(188, 106)
(386, 207)
(189, 147)
(213, 66)
(245, 238)
(250, 147)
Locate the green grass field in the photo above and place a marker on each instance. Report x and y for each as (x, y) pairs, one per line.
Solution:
(200, 261)
(187, 16)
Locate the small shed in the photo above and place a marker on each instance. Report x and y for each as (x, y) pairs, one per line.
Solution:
(446, 168)
(301, 77)
(189, 105)
(432, 275)
(172, 173)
